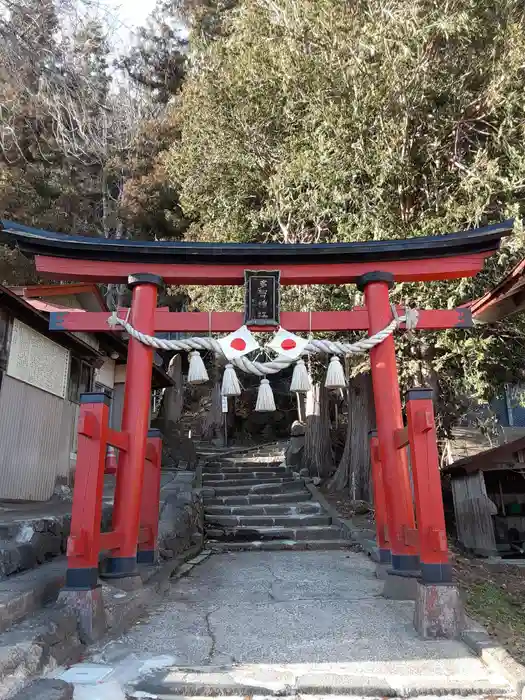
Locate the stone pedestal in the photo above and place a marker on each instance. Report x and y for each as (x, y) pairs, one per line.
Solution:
(124, 583)
(401, 585)
(439, 611)
(46, 689)
(382, 571)
(383, 559)
(88, 606)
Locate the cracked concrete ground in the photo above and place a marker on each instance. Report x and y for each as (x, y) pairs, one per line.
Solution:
(290, 622)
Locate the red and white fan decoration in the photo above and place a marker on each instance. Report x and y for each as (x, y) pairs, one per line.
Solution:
(234, 345)
(238, 343)
(286, 343)
(293, 346)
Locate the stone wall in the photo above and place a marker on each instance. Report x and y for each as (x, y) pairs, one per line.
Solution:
(181, 514)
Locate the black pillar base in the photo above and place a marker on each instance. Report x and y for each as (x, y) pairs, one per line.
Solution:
(81, 579)
(436, 573)
(385, 556)
(147, 556)
(405, 562)
(119, 567)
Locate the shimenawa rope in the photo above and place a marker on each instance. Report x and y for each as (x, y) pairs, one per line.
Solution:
(261, 369)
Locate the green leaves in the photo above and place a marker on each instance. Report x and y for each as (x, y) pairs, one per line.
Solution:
(318, 120)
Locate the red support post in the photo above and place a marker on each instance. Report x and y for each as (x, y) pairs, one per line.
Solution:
(149, 512)
(435, 566)
(383, 543)
(135, 422)
(84, 541)
(389, 419)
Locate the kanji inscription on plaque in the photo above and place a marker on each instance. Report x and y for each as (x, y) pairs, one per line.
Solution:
(262, 298)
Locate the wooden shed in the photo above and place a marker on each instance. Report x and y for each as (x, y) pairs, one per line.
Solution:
(488, 491)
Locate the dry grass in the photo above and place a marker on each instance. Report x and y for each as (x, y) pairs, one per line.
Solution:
(495, 597)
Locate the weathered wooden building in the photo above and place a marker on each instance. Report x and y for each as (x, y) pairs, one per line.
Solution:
(488, 491)
(488, 488)
(42, 375)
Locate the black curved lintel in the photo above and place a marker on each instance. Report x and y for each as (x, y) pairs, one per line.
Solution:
(32, 241)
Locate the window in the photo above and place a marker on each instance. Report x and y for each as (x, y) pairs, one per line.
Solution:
(80, 379)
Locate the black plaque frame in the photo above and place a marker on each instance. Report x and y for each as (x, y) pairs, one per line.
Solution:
(252, 279)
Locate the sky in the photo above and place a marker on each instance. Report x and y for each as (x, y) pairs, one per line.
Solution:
(131, 12)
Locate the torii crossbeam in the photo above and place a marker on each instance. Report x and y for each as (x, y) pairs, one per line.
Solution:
(227, 321)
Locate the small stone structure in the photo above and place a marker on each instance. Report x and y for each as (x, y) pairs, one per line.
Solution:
(181, 515)
(438, 613)
(295, 450)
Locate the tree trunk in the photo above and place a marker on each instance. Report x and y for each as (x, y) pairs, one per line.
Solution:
(354, 468)
(172, 401)
(212, 425)
(318, 455)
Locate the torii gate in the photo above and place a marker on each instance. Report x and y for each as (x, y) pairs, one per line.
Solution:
(410, 552)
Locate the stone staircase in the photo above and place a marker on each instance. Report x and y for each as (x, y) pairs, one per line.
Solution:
(254, 502)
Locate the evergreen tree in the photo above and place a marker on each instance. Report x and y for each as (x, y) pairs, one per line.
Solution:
(324, 120)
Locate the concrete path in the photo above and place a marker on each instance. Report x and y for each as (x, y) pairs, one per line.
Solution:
(288, 623)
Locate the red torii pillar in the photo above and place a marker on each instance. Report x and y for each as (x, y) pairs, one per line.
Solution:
(135, 421)
(380, 510)
(389, 418)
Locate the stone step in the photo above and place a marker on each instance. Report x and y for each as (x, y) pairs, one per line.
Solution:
(273, 545)
(239, 450)
(29, 539)
(47, 639)
(269, 481)
(251, 521)
(259, 489)
(288, 498)
(317, 681)
(23, 594)
(244, 465)
(254, 533)
(311, 507)
(262, 475)
(224, 468)
(31, 536)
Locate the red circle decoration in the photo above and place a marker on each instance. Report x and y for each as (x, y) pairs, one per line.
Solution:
(288, 344)
(238, 344)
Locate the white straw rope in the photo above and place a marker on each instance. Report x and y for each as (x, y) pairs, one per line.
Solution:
(261, 369)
